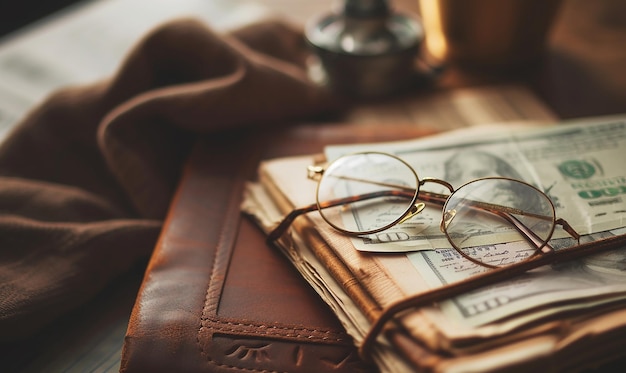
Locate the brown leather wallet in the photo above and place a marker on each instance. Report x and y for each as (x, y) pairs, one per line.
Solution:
(216, 298)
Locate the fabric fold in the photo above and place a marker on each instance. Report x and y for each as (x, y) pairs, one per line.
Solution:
(87, 176)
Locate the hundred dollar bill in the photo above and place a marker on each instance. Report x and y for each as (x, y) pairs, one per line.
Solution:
(578, 165)
(601, 276)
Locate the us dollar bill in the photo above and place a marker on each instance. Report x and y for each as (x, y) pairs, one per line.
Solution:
(578, 165)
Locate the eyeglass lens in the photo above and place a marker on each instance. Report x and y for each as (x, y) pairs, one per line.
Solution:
(498, 221)
(389, 183)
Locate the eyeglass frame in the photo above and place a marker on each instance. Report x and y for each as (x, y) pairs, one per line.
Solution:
(317, 173)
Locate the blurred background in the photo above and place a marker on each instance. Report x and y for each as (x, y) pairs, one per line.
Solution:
(15, 14)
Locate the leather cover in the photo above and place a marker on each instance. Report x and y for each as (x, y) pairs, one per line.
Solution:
(215, 298)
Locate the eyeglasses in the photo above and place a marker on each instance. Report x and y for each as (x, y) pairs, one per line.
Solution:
(363, 194)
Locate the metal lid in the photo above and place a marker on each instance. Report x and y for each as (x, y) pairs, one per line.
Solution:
(353, 44)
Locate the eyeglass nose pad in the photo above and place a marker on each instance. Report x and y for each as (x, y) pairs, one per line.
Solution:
(446, 220)
(314, 172)
(416, 209)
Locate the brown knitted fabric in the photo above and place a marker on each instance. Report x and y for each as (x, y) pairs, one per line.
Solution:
(86, 177)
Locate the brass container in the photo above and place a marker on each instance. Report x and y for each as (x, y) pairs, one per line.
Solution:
(487, 33)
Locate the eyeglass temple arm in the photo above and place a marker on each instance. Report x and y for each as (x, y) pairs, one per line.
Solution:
(288, 220)
(507, 213)
(280, 229)
(527, 233)
(568, 228)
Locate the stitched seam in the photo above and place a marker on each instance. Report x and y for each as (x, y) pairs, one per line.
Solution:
(211, 291)
(283, 331)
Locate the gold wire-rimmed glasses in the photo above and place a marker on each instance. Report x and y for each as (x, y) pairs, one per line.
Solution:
(363, 194)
